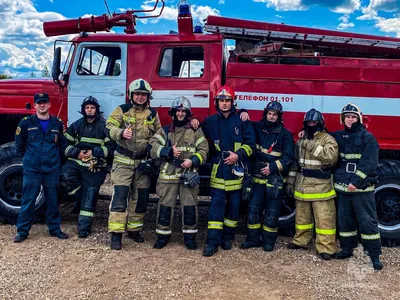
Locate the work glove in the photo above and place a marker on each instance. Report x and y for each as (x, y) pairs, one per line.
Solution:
(190, 178)
(147, 167)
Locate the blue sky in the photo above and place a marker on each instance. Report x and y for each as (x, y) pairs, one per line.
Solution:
(25, 49)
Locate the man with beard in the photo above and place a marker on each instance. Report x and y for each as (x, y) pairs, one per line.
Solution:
(316, 154)
(273, 158)
(354, 183)
(182, 150)
(39, 139)
(234, 143)
(86, 167)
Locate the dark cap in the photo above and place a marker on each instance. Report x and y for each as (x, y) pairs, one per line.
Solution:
(40, 97)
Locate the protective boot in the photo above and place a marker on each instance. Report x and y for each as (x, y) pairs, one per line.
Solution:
(325, 256)
(250, 244)
(268, 247)
(136, 236)
(376, 263)
(210, 250)
(116, 241)
(344, 253)
(226, 245)
(162, 241)
(293, 246)
(190, 241)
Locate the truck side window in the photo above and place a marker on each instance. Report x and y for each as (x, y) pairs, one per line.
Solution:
(182, 62)
(99, 61)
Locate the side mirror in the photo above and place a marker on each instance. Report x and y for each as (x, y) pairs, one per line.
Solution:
(55, 69)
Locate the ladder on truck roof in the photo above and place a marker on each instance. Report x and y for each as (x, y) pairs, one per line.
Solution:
(236, 28)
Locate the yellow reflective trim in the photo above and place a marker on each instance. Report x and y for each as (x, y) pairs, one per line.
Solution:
(253, 226)
(128, 119)
(187, 149)
(370, 237)
(87, 165)
(170, 177)
(200, 140)
(224, 187)
(247, 149)
(106, 140)
(134, 225)
(269, 229)
(200, 157)
(115, 226)
(279, 165)
(348, 233)
(272, 153)
(260, 181)
(74, 191)
(91, 140)
(159, 149)
(113, 121)
(151, 122)
(124, 160)
(86, 213)
(163, 232)
(105, 151)
(318, 150)
(230, 223)
(215, 225)
(327, 195)
(69, 137)
(236, 146)
(344, 188)
(310, 162)
(304, 226)
(217, 146)
(160, 138)
(67, 149)
(325, 231)
(361, 174)
(351, 155)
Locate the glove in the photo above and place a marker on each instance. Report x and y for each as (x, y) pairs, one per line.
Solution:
(147, 167)
(247, 189)
(190, 179)
(93, 163)
(289, 190)
(274, 186)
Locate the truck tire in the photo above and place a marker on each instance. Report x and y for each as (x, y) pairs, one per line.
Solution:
(11, 186)
(387, 197)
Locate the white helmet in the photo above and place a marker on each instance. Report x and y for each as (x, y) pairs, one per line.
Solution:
(183, 103)
(139, 85)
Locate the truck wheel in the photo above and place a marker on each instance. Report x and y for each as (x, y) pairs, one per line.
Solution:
(387, 197)
(11, 186)
(287, 217)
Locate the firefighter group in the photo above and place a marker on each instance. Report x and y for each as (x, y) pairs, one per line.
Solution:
(255, 163)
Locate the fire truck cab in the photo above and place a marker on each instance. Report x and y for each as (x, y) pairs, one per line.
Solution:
(302, 68)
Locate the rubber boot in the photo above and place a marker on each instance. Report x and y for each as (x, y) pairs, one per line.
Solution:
(376, 263)
(136, 236)
(226, 245)
(293, 246)
(248, 245)
(210, 250)
(116, 241)
(325, 256)
(344, 253)
(162, 241)
(190, 241)
(268, 247)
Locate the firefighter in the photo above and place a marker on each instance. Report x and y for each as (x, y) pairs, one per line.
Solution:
(234, 142)
(182, 150)
(316, 154)
(131, 125)
(354, 183)
(86, 167)
(273, 158)
(39, 139)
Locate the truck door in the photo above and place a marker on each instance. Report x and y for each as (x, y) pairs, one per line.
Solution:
(98, 70)
(182, 71)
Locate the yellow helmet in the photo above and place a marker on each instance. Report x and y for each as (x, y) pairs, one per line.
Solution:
(139, 86)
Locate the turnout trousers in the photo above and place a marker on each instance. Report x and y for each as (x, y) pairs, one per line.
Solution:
(323, 213)
(83, 186)
(130, 198)
(259, 225)
(223, 216)
(33, 184)
(358, 210)
(168, 193)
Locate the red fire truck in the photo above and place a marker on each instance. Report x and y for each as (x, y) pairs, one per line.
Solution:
(301, 67)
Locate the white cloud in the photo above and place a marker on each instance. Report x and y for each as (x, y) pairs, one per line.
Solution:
(391, 25)
(221, 2)
(278, 16)
(385, 5)
(345, 24)
(338, 6)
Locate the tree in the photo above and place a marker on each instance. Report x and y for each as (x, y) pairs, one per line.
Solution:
(32, 75)
(46, 72)
(4, 76)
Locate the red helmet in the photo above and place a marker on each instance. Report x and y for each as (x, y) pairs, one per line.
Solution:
(225, 92)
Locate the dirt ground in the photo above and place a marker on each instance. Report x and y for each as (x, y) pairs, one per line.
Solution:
(47, 268)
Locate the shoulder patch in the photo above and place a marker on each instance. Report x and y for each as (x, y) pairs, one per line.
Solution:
(18, 131)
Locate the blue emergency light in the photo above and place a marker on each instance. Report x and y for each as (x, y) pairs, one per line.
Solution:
(198, 28)
(183, 8)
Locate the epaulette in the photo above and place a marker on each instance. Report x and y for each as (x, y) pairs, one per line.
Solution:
(126, 107)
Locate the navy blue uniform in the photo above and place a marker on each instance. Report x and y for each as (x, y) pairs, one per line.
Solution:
(227, 134)
(275, 148)
(41, 153)
(358, 160)
(80, 183)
